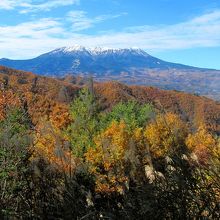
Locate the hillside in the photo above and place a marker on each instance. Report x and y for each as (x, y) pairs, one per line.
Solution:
(49, 97)
(131, 66)
(108, 155)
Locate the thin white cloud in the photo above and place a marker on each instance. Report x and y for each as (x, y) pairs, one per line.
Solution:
(33, 38)
(11, 4)
(26, 6)
(48, 5)
(30, 29)
(80, 20)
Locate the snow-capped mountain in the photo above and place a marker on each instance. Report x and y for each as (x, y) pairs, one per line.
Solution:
(97, 61)
(130, 65)
(98, 50)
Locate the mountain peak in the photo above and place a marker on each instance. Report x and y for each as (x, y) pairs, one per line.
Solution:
(74, 48)
(98, 50)
(69, 49)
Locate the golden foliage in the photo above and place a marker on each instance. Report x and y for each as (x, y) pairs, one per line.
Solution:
(51, 145)
(166, 134)
(202, 143)
(118, 156)
(106, 159)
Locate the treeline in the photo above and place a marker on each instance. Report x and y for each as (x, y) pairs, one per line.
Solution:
(132, 162)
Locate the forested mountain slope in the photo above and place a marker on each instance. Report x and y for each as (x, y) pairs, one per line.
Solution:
(72, 148)
(50, 97)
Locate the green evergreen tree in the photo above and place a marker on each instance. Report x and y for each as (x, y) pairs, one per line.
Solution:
(84, 112)
(132, 113)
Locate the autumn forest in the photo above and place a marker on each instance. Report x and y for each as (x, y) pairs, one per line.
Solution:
(73, 148)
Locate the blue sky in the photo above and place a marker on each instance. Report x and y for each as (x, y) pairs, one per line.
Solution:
(184, 31)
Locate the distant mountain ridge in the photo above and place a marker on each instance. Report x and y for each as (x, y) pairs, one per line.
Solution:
(97, 61)
(130, 65)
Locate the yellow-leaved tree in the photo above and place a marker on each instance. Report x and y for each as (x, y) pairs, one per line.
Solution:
(51, 145)
(106, 158)
(166, 135)
(117, 158)
(203, 144)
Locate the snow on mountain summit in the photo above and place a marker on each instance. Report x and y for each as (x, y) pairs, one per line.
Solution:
(99, 50)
